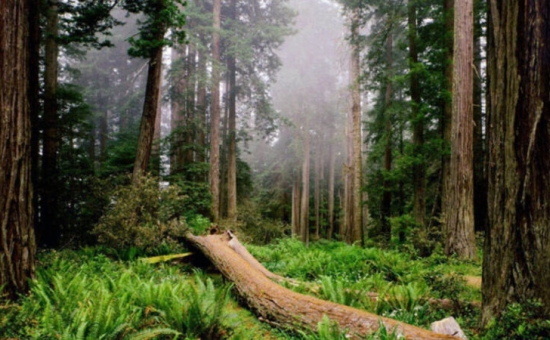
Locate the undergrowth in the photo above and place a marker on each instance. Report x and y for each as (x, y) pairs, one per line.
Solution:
(86, 294)
(75, 297)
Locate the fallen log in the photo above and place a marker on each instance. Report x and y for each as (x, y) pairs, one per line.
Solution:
(282, 306)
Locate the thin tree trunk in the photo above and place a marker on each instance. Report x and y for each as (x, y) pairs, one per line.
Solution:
(17, 241)
(201, 107)
(460, 235)
(215, 116)
(224, 151)
(517, 242)
(304, 211)
(190, 113)
(385, 208)
(178, 87)
(419, 210)
(296, 207)
(49, 231)
(331, 192)
(357, 225)
(446, 122)
(316, 191)
(232, 156)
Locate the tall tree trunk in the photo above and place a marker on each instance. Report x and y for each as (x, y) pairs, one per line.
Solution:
(201, 107)
(347, 202)
(460, 234)
(232, 152)
(178, 81)
(215, 116)
(295, 222)
(190, 112)
(385, 208)
(150, 110)
(446, 121)
(419, 180)
(17, 242)
(304, 211)
(357, 229)
(49, 230)
(331, 192)
(517, 242)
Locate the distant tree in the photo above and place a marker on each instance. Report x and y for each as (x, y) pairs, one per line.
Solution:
(356, 228)
(459, 231)
(160, 16)
(232, 126)
(17, 242)
(417, 120)
(517, 241)
(215, 114)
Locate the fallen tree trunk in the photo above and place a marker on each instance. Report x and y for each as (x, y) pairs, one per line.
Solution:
(445, 304)
(289, 309)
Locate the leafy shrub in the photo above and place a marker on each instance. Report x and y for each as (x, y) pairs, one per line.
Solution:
(142, 215)
(254, 227)
(520, 321)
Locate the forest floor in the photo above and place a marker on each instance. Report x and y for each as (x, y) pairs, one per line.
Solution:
(86, 294)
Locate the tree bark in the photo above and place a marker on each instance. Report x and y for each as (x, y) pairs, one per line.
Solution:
(517, 242)
(278, 305)
(49, 229)
(17, 241)
(385, 208)
(215, 116)
(460, 233)
(419, 210)
(190, 111)
(446, 121)
(178, 80)
(150, 109)
(232, 152)
(201, 107)
(357, 232)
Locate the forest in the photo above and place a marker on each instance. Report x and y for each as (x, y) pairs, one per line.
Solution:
(274, 169)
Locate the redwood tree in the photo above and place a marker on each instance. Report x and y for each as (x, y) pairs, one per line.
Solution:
(215, 115)
(517, 243)
(160, 16)
(459, 230)
(17, 242)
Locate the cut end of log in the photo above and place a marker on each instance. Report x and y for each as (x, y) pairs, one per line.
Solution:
(448, 326)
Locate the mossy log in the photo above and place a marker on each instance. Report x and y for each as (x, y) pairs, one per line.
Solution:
(285, 308)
